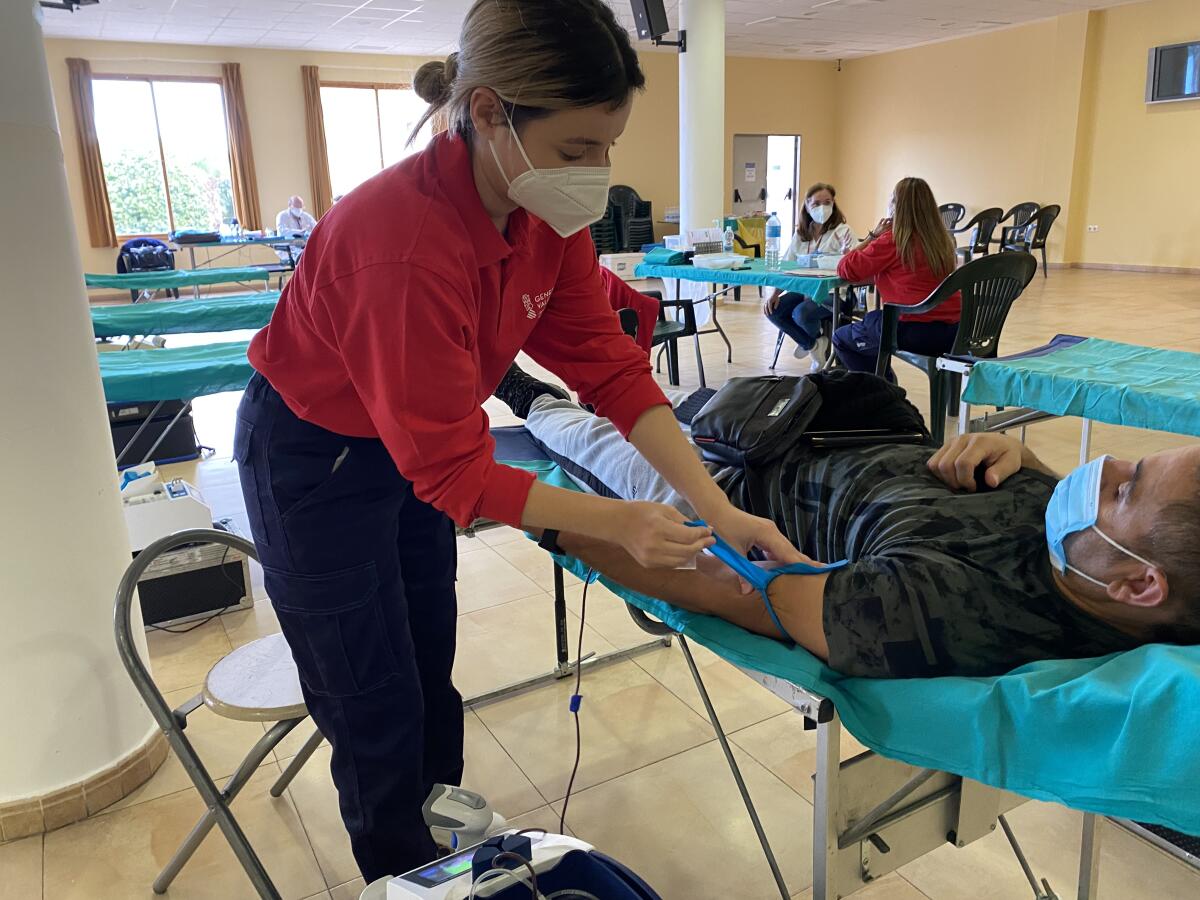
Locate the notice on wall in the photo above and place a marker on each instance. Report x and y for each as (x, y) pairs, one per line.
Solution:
(751, 172)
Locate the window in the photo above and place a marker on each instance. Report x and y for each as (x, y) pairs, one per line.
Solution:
(166, 153)
(367, 129)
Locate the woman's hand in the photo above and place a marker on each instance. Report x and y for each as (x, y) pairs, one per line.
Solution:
(744, 531)
(884, 225)
(771, 303)
(655, 535)
(957, 462)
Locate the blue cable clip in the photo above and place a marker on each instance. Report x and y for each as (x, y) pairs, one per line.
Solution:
(576, 702)
(760, 578)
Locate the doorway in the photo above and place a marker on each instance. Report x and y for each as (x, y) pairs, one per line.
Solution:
(766, 176)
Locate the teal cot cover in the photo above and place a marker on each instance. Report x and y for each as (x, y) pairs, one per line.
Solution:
(811, 285)
(1120, 384)
(1114, 735)
(176, 278)
(175, 372)
(222, 313)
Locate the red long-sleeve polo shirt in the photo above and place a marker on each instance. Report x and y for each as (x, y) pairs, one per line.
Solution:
(879, 261)
(409, 305)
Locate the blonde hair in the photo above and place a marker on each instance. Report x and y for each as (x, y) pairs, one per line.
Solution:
(538, 56)
(916, 222)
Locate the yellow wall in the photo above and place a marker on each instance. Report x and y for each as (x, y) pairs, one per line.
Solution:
(647, 156)
(1052, 111)
(1139, 163)
(987, 120)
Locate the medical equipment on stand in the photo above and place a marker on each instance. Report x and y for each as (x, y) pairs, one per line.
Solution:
(459, 817)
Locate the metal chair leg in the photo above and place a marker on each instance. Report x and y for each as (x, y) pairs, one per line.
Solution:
(232, 788)
(699, 361)
(778, 347)
(733, 768)
(297, 762)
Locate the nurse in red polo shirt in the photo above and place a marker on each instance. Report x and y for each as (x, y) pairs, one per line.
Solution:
(362, 438)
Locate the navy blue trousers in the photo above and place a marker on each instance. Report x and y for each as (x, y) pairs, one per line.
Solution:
(857, 344)
(800, 318)
(361, 575)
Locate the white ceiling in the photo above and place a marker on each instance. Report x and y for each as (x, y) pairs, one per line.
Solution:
(795, 29)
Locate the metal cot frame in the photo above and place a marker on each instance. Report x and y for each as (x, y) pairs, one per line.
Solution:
(872, 814)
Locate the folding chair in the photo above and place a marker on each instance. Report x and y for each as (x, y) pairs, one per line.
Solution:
(257, 682)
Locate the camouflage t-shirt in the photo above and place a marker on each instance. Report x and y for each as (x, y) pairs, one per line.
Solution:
(938, 582)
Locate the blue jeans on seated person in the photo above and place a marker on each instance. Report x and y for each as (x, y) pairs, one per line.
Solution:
(800, 318)
(857, 344)
(361, 575)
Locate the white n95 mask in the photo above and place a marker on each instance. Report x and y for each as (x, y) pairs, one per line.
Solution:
(820, 213)
(568, 199)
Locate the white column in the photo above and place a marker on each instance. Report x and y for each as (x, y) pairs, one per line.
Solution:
(702, 114)
(67, 709)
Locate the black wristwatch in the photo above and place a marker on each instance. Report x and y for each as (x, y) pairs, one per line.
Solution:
(549, 542)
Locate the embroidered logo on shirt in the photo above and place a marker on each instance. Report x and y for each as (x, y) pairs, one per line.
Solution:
(535, 305)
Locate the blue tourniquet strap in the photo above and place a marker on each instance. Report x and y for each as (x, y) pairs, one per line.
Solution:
(758, 577)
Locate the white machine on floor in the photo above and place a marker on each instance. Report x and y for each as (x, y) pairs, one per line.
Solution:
(449, 878)
(154, 508)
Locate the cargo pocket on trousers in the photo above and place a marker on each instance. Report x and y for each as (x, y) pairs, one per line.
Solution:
(335, 628)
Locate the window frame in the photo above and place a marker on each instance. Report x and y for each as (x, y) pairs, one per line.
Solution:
(162, 154)
(375, 87)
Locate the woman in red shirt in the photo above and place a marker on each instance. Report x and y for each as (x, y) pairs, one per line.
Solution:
(907, 255)
(362, 437)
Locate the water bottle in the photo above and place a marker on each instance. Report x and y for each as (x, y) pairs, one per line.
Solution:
(774, 233)
(727, 240)
(236, 227)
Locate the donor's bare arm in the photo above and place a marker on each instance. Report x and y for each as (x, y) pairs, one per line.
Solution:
(713, 589)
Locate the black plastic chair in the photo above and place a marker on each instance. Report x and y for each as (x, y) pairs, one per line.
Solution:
(1033, 236)
(145, 255)
(634, 218)
(604, 232)
(981, 227)
(989, 286)
(666, 331)
(952, 214)
(1021, 215)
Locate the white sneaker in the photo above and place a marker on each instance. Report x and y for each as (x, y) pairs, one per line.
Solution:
(800, 352)
(821, 353)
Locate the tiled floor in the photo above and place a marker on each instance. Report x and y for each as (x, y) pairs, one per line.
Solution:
(652, 789)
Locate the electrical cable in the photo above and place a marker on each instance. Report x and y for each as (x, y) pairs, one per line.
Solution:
(493, 872)
(576, 702)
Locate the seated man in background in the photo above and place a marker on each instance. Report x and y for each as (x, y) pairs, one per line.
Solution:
(971, 560)
(295, 219)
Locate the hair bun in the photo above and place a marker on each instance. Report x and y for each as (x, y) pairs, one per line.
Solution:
(434, 79)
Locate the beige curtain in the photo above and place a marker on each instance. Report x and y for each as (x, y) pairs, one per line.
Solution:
(318, 154)
(95, 189)
(241, 154)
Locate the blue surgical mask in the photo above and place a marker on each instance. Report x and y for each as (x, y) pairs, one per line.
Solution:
(1075, 506)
